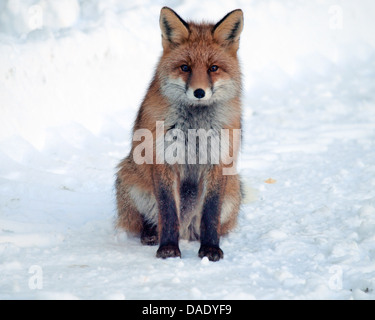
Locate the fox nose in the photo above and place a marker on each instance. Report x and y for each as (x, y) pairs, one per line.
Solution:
(199, 93)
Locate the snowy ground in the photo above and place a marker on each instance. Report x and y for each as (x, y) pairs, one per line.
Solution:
(72, 75)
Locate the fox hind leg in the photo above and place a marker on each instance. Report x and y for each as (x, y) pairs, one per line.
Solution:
(128, 218)
(137, 208)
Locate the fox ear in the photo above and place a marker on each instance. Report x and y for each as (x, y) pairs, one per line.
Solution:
(174, 30)
(227, 31)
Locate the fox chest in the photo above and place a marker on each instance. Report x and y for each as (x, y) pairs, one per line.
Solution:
(192, 138)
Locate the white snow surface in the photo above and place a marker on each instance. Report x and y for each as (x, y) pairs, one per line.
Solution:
(72, 76)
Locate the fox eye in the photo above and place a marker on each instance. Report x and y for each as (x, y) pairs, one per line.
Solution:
(185, 68)
(213, 68)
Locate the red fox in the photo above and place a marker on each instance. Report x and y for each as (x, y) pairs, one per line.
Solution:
(196, 88)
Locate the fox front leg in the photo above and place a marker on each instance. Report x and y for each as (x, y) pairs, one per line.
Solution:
(168, 218)
(210, 226)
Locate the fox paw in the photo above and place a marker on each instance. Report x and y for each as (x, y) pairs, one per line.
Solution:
(149, 240)
(211, 252)
(168, 251)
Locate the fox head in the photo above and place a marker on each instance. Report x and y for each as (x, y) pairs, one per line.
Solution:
(199, 65)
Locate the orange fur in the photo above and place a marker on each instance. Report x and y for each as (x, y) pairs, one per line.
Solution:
(199, 46)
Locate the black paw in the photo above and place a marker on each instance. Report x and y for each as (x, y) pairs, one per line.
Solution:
(149, 234)
(168, 251)
(149, 240)
(211, 252)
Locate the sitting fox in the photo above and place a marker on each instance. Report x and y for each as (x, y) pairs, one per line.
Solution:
(168, 187)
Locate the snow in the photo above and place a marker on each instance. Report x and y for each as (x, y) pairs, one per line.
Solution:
(72, 76)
